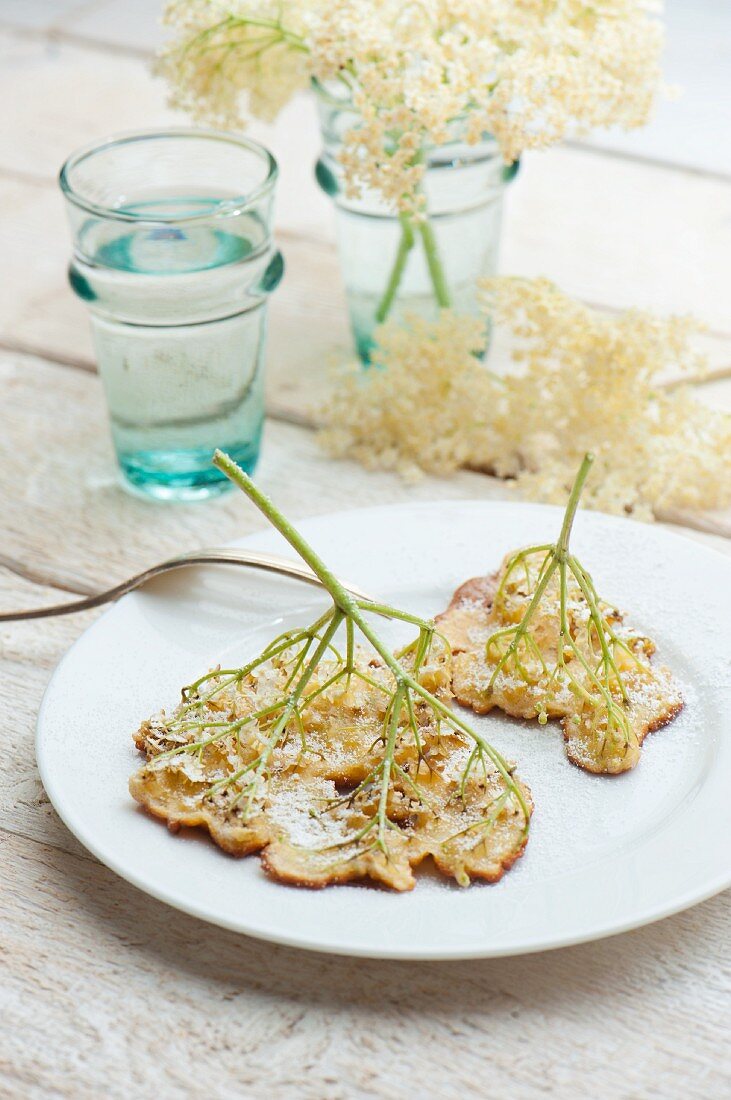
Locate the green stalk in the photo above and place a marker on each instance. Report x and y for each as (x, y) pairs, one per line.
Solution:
(518, 631)
(557, 556)
(562, 546)
(388, 758)
(434, 263)
(597, 694)
(295, 696)
(293, 40)
(289, 709)
(436, 271)
(340, 595)
(399, 266)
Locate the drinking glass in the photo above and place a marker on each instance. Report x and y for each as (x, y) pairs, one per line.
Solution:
(173, 254)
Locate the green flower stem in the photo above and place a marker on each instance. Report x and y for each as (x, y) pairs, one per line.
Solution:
(296, 41)
(598, 694)
(388, 762)
(464, 727)
(340, 595)
(291, 38)
(562, 546)
(387, 612)
(289, 709)
(436, 271)
(520, 630)
(434, 263)
(399, 266)
(556, 558)
(296, 694)
(280, 645)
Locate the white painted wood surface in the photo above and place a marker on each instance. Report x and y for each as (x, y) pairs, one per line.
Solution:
(104, 992)
(690, 127)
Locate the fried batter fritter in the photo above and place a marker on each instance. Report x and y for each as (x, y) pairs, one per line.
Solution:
(312, 810)
(532, 685)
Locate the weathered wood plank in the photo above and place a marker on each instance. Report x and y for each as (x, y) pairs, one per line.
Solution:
(308, 330)
(623, 234)
(65, 467)
(130, 998)
(61, 476)
(28, 654)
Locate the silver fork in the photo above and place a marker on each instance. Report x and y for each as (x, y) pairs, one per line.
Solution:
(255, 559)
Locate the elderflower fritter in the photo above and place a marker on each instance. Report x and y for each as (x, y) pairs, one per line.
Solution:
(528, 72)
(584, 381)
(340, 763)
(536, 640)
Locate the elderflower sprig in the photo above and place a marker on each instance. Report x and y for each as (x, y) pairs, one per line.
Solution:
(527, 73)
(581, 380)
(415, 76)
(516, 649)
(310, 664)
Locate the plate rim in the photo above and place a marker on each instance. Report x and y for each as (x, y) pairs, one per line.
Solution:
(650, 916)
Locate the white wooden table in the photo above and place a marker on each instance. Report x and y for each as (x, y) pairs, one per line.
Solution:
(105, 992)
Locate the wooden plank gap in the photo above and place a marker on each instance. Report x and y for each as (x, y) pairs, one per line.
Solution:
(55, 359)
(650, 162)
(60, 36)
(84, 855)
(45, 578)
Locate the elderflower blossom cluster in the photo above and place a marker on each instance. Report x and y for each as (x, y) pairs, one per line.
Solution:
(526, 71)
(407, 412)
(582, 382)
(225, 57)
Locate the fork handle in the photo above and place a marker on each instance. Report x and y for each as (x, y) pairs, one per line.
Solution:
(254, 558)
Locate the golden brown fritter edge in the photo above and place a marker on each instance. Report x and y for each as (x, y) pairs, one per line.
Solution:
(467, 609)
(173, 796)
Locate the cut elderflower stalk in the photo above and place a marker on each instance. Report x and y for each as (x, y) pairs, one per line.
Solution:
(278, 34)
(407, 685)
(406, 243)
(431, 251)
(442, 295)
(436, 271)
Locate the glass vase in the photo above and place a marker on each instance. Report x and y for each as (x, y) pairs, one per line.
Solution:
(394, 266)
(174, 257)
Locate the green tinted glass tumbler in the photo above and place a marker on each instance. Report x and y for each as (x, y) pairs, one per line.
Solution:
(173, 254)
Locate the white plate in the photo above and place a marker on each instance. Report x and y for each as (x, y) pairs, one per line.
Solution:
(605, 854)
